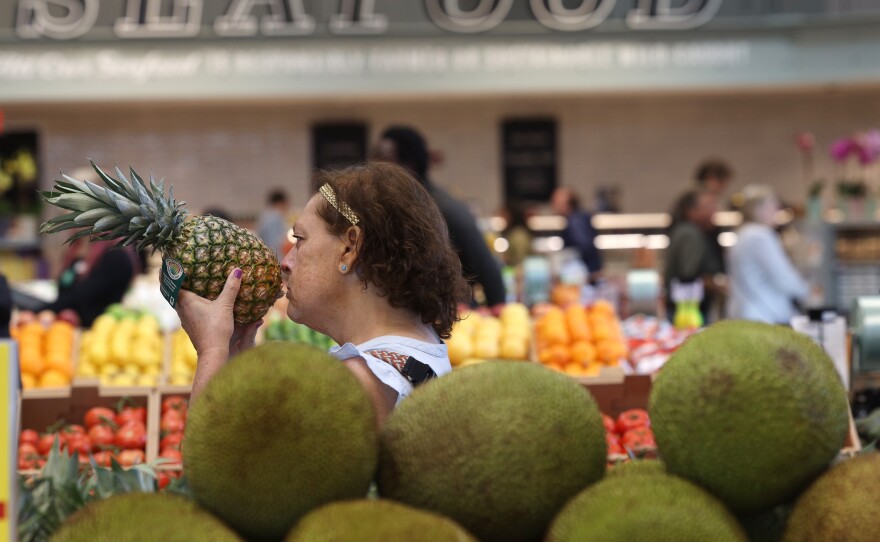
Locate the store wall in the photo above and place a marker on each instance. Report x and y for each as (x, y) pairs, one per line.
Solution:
(231, 154)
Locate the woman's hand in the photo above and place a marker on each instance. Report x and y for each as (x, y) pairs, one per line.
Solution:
(209, 324)
(213, 331)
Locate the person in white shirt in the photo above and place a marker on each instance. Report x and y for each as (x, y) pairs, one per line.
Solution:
(763, 281)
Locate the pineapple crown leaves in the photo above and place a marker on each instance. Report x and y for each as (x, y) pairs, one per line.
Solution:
(126, 209)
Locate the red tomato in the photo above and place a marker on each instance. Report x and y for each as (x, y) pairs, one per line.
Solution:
(175, 403)
(101, 436)
(171, 441)
(28, 463)
(172, 422)
(614, 447)
(630, 419)
(79, 444)
(128, 458)
(29, 436)
(128, 414)
(132, 435)
(73, 429)
(27, 450)
(83, 460)
(99, 415)
(609, 424)
(640, 438)
(173, 455)
(102, 459)
(44, 446)
(162, 480)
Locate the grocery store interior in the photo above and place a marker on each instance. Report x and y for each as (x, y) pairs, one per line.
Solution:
(621, 179)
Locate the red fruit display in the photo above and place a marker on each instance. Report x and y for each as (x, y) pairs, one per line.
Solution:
(630, 419)
(99, 415)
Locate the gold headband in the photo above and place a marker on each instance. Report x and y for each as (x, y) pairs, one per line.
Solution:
(343, 208)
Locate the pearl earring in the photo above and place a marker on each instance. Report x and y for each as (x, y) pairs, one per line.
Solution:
(344, 268)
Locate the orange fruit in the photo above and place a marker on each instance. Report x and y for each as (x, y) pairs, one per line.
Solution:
(558, 353)
(31, 361)
(574, 368)
(608, 352)
(53, 378)
(28, 381)
(60, 363)
(583, 352)
(603, 307)
(578, 326)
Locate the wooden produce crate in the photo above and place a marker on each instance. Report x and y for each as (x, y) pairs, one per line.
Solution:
(162, 393)
(41, 408)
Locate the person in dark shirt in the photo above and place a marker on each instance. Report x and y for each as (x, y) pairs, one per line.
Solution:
(579, 232)
(689, 256)
(406, 147)
(93, 277)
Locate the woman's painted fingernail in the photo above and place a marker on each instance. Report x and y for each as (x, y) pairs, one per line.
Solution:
(237, 273)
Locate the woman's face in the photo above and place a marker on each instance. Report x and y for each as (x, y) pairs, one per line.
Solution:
(310, 268)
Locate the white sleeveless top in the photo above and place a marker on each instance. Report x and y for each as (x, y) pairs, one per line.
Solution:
(432, 354)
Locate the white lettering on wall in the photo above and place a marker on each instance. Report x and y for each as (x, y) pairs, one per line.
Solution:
(285, 18)
(358, 17)
(449, 15)
(553, 14)
(147, 21)
(662, 15)
(37, 19)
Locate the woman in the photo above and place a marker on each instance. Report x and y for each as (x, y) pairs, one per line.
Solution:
(763, 281)
(372, 267)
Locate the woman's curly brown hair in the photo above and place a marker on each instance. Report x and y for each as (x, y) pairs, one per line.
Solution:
(405, 251)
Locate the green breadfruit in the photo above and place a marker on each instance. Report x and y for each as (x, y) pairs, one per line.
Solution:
(376, 521)
(651, 507)
(841, 505)
(133, 517)
(752, 412)
(279, 430)
(499, 447)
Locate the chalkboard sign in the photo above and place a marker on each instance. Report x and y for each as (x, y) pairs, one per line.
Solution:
(338, 145)
(529, 158)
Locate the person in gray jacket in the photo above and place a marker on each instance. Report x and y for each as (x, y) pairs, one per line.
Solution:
(763, 282)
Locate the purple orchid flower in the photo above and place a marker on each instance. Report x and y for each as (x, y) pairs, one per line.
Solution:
(842, 148)
(871, 147)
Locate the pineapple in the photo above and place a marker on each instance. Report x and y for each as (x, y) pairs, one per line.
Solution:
(208, 248)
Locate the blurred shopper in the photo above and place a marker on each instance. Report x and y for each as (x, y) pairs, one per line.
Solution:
(517, 233)
(405, 146)
(713, 176)
(94, 275)
(764, 284)
(579, 232)
(273, 225)
(688, 257)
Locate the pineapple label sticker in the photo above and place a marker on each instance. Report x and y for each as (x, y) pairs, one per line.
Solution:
(172, 278)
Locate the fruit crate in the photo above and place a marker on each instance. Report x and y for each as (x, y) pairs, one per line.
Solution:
(41, 408)
(163, 393)
(615, 392)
